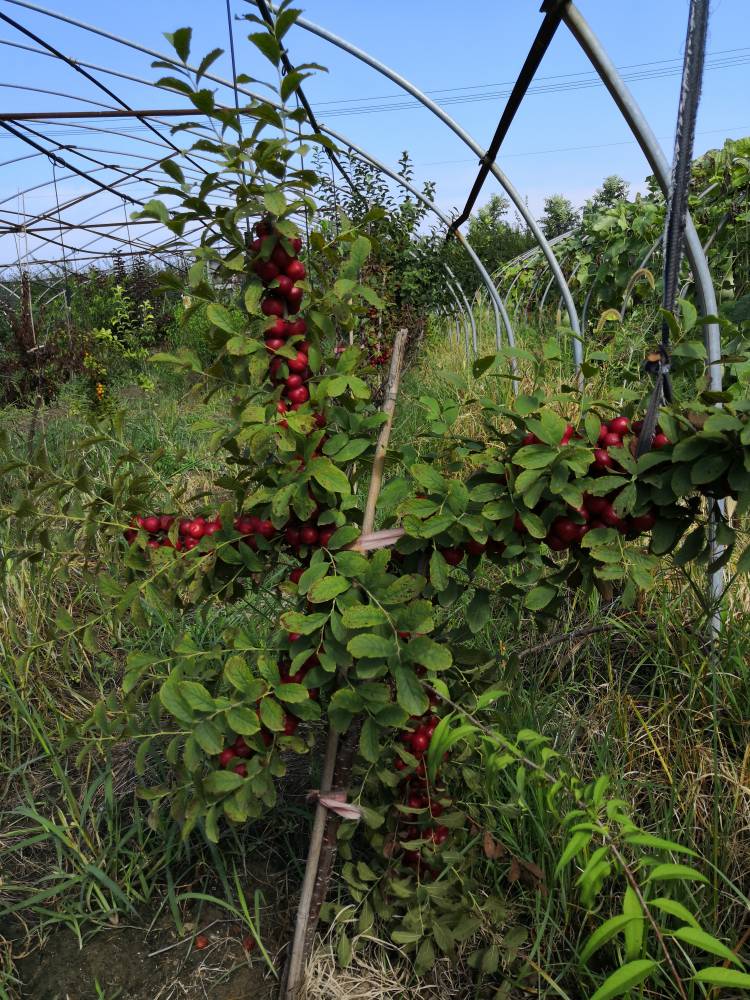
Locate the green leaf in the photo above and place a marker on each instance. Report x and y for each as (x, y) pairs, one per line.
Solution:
(221, 317)
(292, 694)
(174, 703)
(674, 909)
(371, 646)
(635, 928)
(330, 478)
(363, 616)
(243, 720)
(625, 978)
(295, 621)
(658, 843)
(369, 743)
(208, 737)
(429, 653)
(64, 621)
(240, 676)
(268, 45)
(410, 695)
(428, 477)
(716, 976)
(274, 200)
(328, 588)
(223, 782)
(706, 942)
(272, 715)
(670, 873)
(196, 696)
(180, 42)
(539, 597)
(438, 571)
(604, 933)
(574, 847)
(478, 611)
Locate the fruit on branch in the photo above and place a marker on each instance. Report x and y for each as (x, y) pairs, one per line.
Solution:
(452, 555)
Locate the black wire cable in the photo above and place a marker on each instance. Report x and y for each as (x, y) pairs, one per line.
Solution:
(658, 361)
(552, 16)
(97, 83)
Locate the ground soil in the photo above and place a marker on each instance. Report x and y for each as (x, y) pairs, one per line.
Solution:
(128, 963)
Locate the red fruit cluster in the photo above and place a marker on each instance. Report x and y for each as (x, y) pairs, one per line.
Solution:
(252, 528)
(419, 825)
(454, 554)
(157, 527)
(280, 270)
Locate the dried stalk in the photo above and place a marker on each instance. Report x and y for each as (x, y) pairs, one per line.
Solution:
(337, 766)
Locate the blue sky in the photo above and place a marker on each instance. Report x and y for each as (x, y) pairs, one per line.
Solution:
(563, 140)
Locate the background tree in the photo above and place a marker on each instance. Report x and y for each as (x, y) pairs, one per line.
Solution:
(559, 216)
(613, 190)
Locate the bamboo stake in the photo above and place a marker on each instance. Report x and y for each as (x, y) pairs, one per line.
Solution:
(325, 824)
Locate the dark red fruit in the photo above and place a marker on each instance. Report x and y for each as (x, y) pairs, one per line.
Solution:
(297, 364)
(325, 535)
(280, 257)
(294, 382)
(227, 756)
(272, 306)
(197, 529)
(274, 344)
(294, 299)
(452, 556)
(296, 574)
(518, 525)
(419, 742)
(151, 523)
(620, 425)
(399, 764)
(290, 725)
(475, 548)
(569, 432)
(296, 270)
(241, 770)
(201, 942)
(297, 327)
(308, 535)
(300, 395)
(612, 440)
(660, 441)
(602, 459)
(248, 942)
(530, 439)
(556, 544)
(610, 517)
(285, 284)
(644, 522)
(292, 536)
(565, 529)
(296, 244)
(266, 270)
(241, 748)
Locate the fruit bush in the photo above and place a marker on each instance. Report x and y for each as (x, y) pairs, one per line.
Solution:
(381, 644)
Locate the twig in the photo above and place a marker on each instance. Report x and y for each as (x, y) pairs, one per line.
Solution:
(325, 824)
(555, 639)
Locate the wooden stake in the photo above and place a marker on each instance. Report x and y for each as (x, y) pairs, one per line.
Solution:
(325, 823)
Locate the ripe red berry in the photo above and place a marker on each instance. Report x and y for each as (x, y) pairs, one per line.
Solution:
(603, 432)
(399, 764)
(609, 517)
(619, 425)
(296, 575)
(151, 523)
(197, 529)
(297, 364)
(294, 299)
(475, 548)
(241, 748)
(325, 535)
(308, 535)
(248, 942)
(201, 942)
(272, 306)
(274, 344)
(165, 522)
(300, 395)
(612, 440)
(266, 529)
(556, 544)
(285, 284)
(452, 556)
(296, 270)
(280, 257)
(297, 327)
(602, 459)
(292, 536)
(227, 756)
(241, 770)
(266, 270)
(436, 809)
(294, 382)
(529, 439)
(419, 742)
(212, 527)
(440, 835)
(568, 434)
(415, 802)
(518, 525)
(660, 441)
(644, 522)
(296, 244)
(565, 529)
(320, 420)
(290, 725)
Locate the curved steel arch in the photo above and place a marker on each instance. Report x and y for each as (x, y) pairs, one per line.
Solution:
(469, 141)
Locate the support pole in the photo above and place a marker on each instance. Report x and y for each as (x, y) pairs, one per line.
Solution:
(325, 824)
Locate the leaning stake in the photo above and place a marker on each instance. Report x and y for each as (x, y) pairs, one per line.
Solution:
(325, 824)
